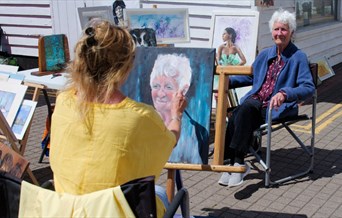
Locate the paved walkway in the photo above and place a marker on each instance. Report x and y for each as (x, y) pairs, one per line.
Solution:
(317, 195)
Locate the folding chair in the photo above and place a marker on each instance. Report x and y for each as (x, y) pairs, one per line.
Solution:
(271, 126)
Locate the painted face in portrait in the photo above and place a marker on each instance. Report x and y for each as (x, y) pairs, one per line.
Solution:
(225, 36)
(119, 12)
(163, 90)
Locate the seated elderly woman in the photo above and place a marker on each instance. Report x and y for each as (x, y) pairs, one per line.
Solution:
(281, 78)
(100, 138)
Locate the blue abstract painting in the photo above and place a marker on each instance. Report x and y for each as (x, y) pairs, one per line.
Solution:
(144, 86)
(54, 52)
(170, 25)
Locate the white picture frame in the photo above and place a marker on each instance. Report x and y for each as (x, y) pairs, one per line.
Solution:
(171, 24)
(23, 118)
(11, 97)
(245, 24)
(89, 13)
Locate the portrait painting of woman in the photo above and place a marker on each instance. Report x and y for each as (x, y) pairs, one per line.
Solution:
(159, 73)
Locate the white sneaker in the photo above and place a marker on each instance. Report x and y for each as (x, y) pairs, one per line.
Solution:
(236, 179)
(224, 180)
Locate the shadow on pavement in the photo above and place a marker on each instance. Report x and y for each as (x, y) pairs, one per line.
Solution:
(229, 212)
(327, 164)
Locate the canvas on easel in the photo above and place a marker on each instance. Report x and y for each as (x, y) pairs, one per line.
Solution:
(53, 54)
(189, 70)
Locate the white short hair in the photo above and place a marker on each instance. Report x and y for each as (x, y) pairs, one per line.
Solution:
(176, 66)
(284, 17)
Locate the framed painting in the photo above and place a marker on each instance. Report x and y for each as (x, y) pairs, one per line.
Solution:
(23, 118)
(243, 28)
(11, 97)
(325, 71)
(12, 162)
(162, 71)
(89, 13)
(171, 25)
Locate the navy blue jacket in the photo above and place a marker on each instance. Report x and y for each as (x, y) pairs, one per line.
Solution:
(295, 78)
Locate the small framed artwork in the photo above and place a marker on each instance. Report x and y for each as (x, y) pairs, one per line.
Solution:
(23, 118)
(11, 97)
(89, 13)
(325, 71)
(12, 162)
(170, 25)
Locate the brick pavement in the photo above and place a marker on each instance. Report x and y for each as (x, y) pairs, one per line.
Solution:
(317, 195)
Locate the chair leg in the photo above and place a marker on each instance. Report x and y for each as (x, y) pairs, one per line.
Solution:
(47, 139)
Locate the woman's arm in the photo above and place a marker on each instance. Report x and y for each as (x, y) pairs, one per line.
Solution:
(242, 56)
(219, 53)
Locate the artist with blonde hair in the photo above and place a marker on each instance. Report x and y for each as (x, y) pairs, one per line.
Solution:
(100, 138)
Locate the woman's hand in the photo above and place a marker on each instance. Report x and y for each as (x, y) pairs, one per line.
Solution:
(178, 106)
(277, 100)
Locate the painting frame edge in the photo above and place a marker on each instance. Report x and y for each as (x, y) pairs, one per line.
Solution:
(84, 13)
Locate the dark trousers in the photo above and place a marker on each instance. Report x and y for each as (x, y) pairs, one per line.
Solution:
(246, 118)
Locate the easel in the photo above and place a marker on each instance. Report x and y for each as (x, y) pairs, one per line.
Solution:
(8, 135)
(221, 111)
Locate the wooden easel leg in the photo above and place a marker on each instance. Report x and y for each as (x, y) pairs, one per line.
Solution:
(170, 184)
(33, 178)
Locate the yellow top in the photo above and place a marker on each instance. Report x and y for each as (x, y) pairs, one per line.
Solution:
(129, 141)
(39, 202)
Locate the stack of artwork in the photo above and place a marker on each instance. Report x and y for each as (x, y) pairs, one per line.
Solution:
(148, 26)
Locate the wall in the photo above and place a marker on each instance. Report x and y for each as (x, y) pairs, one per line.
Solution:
(23, 21)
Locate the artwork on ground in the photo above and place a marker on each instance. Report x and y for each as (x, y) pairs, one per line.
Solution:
(160, 72)
(241, 29)
(11, 162)
(11, 97)
(324, 69)
(23, 118)
(170, 25)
